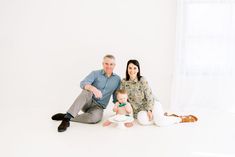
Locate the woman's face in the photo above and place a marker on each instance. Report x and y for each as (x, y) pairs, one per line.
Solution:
(132, 70)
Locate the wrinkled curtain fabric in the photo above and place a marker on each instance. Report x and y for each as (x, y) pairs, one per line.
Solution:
(204, 75)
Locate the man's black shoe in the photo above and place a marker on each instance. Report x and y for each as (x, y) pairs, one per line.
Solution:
(58, 116)
(63, 126)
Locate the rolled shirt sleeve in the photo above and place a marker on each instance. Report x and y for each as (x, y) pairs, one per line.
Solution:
(89, 79)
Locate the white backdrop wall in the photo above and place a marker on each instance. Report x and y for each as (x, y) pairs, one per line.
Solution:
(48, 46)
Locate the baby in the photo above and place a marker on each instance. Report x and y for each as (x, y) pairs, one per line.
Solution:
(122, 107)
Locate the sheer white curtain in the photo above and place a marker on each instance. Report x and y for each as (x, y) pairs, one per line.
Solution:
(204, 77)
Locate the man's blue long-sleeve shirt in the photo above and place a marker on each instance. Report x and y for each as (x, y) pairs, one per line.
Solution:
(107, 85)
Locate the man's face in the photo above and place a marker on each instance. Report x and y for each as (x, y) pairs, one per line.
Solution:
(108, 65)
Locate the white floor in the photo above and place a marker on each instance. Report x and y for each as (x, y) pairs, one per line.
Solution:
(29, 132)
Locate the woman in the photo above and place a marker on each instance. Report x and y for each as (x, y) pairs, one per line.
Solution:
(146, 109)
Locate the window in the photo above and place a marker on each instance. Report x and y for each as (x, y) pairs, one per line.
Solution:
(207, 37)
(205, 56)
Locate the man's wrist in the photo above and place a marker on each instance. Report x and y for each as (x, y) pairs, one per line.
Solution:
(90, 88)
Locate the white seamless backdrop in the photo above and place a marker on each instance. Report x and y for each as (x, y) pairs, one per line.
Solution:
(47, 46)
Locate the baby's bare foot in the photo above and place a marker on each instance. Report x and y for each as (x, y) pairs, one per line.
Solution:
(129, 125)
(107, 123)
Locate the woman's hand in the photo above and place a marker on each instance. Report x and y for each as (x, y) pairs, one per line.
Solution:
(150, 115)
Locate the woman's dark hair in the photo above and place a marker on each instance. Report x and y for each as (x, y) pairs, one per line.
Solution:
(136, 63)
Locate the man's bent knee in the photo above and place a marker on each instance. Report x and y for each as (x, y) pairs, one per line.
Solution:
(95, 119)
(86, 93)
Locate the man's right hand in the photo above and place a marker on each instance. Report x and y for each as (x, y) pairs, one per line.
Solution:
(97, 93)
(94, 90)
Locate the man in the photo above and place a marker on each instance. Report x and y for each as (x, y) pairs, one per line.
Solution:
(97, 87)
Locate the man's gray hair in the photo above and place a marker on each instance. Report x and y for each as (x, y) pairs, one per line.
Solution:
(109, 56)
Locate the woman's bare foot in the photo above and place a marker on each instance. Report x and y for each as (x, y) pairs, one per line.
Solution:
(128, 125)
(184, 119)
(188, 118)
(107, 123)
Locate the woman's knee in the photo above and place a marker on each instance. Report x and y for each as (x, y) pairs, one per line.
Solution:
(157, 109)
(143, 118)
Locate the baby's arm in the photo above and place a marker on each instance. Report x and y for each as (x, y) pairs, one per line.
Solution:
(129, 108)
(115, 108)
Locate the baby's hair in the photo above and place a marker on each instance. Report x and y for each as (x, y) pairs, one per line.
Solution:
(121, 91)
